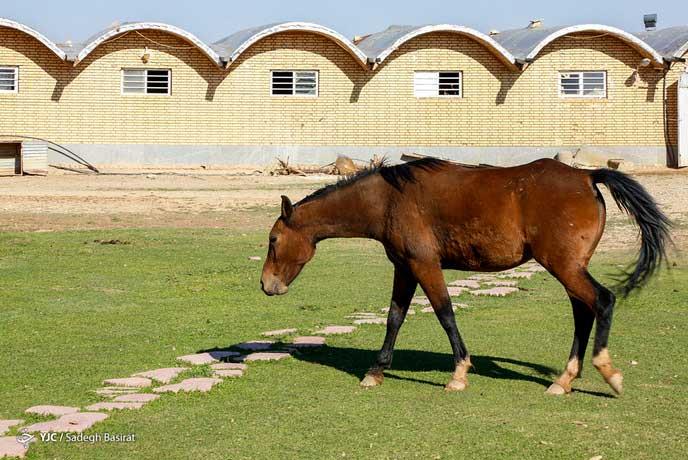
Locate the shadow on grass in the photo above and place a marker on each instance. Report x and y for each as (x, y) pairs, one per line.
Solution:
(356, 362)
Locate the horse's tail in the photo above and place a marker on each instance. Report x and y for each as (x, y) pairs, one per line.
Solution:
(632, 198)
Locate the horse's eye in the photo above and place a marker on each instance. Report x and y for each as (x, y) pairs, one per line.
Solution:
(273, 239)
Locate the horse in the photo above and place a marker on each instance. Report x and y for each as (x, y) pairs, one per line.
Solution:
(432, 215)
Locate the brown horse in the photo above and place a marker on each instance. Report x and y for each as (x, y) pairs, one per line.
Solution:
(432, 215)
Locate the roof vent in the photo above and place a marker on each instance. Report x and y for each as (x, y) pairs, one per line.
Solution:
(535, 24)
(650, 21)
(494, 32)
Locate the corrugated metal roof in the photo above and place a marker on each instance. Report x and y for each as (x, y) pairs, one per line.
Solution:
(671, 42)
(380, 45)
(231, 47)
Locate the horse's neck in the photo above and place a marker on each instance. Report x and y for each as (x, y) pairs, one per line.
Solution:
(354, 211)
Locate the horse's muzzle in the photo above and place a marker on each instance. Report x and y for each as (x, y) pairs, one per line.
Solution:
(271, 285)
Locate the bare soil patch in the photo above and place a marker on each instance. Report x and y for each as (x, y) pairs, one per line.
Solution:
(231, 199)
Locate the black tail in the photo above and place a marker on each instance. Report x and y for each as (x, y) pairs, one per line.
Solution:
(632, 198)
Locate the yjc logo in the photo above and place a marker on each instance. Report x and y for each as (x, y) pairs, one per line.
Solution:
(25, 438)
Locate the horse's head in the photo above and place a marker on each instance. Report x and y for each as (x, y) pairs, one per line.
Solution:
(288, 252)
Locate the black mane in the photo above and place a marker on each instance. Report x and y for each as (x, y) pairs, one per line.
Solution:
(396, 176)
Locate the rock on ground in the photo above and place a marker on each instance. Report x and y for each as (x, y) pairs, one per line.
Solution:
(5, 425)
(51, 410)
(456, 291)
(202, 384)
(200, 359)
(9, 447)
(115, 391)
(72, 423)
(420, 300)
(517, 275)
(256, 345)
(312, 341)
(131, 382)
(333, 330)
(228, 366)
(371, 321)
(110, 406)
(228, 373)
(502, 283)
(471, 284)
(495, 292)
(278, 332)
(165, 375)
(266, 356)
(136, 398)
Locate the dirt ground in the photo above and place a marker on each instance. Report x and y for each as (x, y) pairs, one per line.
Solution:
(236, 199)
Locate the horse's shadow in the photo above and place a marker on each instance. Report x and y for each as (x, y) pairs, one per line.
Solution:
(355, 361)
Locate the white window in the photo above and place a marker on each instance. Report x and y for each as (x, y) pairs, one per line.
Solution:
(583, 84)
(142, 81)
(437, 84)
(303, 83)
(9, 79)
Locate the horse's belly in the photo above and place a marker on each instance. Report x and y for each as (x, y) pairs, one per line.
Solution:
(486, 251)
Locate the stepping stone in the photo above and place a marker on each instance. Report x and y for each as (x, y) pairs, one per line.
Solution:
(255, 258)
(136, 398)
(110, 406)
(535, 268)
(364, 314)
(279, 332)
(202, 385)
(305, 342)
(502, 283)
(456, 291)
(115, 391)
(130, 382)
(228, 366)
(454, 307)
(231, 373)
(10, 448)
(420, 301)
(256, 345)
(482, 277)
(371, 321)
(200, 359)
(5, 425)
(56, 411)
(517, 275)
(496, 291)
(266, 356)
(72, 423)
(165, 375)
(333, 330)
(471, 284)
(410, 311)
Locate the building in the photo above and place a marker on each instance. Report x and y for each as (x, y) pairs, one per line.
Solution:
(151, 93)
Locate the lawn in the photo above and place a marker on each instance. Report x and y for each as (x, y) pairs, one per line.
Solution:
(74, 311)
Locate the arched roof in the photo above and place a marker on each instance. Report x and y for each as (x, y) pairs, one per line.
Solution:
(527, 43)
(52, 46)
(100, 38)
(380, 45)
(231, 47)
(672, 42)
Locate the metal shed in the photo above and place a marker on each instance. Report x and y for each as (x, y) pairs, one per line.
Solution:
(28, 157)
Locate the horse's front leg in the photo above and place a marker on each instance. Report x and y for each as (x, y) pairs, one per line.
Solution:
(402, 293)
(431, 279)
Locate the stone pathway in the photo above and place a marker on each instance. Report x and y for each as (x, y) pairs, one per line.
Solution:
(126, 392)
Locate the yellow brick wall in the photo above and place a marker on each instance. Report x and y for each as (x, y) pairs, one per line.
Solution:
(355, 107)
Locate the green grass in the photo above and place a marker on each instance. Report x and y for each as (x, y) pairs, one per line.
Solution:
(74, 312)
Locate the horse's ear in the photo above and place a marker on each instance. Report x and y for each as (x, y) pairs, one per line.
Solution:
(287, 208)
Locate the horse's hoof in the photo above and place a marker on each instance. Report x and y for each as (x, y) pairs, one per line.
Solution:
(557, 390)
(616, 382)
(456, 385)
(372, 380)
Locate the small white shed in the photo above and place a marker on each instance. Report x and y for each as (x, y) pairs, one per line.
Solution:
(27, 157)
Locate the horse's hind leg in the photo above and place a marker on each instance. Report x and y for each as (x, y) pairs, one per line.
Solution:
(587, 293)
(583, 318)
(404, 288)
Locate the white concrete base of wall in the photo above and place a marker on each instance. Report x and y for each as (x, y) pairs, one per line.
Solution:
(231, 155)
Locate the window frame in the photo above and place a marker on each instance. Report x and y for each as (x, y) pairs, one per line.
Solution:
(581, 85)
(294, 94)
(418, 95)
(16, 79)
(145, 92)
